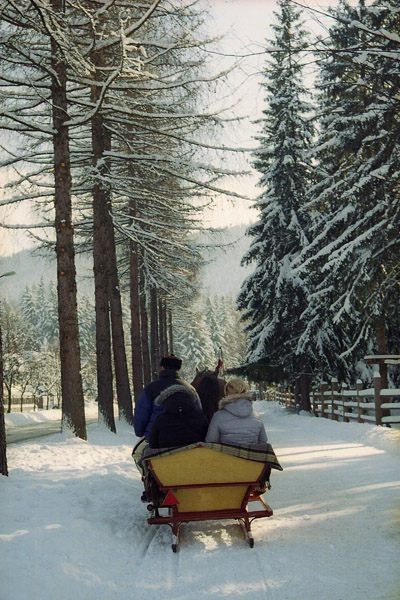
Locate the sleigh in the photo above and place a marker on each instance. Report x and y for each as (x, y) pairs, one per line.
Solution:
(206, 482)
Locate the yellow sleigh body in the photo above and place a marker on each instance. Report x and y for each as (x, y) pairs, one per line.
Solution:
(205, 482)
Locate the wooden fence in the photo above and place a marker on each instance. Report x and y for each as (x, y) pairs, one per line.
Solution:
(373, 405)
(28, 402)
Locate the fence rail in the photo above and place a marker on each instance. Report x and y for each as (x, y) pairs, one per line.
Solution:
(372, 405)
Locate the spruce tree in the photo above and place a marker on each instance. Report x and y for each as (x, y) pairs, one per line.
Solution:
(272, 298)
(353, 257)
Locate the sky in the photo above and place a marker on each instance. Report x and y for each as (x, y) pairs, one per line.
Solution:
(72, 524)
(245, 25)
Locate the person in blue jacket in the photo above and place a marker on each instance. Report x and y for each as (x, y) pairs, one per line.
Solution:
(146, 408)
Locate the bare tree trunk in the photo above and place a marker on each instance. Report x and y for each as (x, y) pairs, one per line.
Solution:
(9, 397)
(144, 328)
(154, 339)
(137, 363)
(118, 338)
(103, 336)
(170, 333)
(162, 324)
(101, 138)
(73, 410)
(3, 444)
(165, 326)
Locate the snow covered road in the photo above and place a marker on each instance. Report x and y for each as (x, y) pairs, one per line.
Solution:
(72, 524)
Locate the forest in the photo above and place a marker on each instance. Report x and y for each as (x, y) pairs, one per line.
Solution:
(118, 132)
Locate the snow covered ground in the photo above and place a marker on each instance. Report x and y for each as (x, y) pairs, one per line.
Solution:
(72, 524)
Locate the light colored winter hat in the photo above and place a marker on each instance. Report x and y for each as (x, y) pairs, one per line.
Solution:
(235, 389)
(236, 386)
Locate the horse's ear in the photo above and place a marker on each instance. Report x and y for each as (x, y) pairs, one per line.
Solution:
(197, 371)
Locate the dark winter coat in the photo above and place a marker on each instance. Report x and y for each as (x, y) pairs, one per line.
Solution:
(236, 422)
(182, 422)
(145, 409)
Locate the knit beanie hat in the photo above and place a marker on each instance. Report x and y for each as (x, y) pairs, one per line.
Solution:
(236, 386)
(171, 362)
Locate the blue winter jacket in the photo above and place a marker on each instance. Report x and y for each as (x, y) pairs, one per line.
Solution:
(145, 408)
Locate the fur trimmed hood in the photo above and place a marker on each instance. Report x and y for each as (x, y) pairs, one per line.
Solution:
(179, 388)
(233, 398)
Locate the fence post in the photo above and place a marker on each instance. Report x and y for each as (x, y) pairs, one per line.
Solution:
(334, 389)
(360, 410)
(324, 388)
(288, 398)
(344, 399)
(377, 396)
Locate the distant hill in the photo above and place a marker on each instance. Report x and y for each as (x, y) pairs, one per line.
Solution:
(31, 266)
(222, 276)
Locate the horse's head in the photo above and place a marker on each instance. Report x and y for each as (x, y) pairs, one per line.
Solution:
(210, 389)
(199, 376)
(206, 372)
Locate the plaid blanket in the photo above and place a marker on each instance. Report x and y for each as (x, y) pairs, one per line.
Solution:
(257, 452)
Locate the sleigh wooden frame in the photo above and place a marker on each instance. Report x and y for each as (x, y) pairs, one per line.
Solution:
(207, 482)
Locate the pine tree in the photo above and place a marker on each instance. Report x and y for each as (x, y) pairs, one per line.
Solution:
(273, 298)
(235, 339)
(193, 340)
(214, 312)
(353, 257)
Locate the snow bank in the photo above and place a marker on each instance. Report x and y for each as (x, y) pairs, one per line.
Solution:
(18, 419)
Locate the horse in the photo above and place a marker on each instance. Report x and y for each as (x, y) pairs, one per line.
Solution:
(210, 389)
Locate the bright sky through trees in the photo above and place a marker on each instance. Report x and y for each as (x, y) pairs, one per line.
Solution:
(245, 27)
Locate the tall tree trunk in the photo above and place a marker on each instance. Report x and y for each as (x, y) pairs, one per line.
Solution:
(154, 340)
(102, 140)
(3, 445)
(165, 327)
(137, 363)
(103, 336)
(162, 328)
(118, 338)
(144, 326)
(383, 368)
(73, 410)
(170, 333)
(9, 397)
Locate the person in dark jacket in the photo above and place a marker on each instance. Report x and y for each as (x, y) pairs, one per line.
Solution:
(182, 422)
(145, 408)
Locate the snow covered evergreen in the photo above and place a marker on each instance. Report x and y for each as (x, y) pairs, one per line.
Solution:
(352, 259)
(272, 297)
